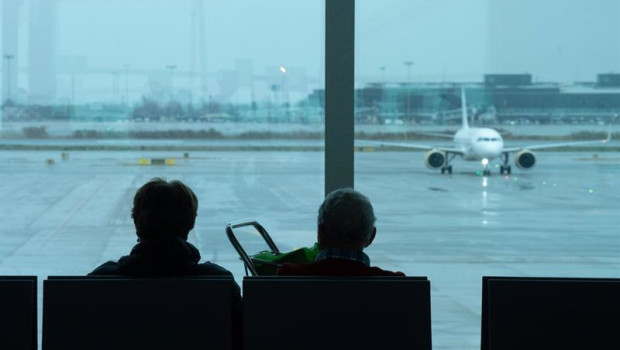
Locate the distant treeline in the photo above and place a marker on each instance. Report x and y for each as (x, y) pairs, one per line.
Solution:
(210, 134)
(40, 132)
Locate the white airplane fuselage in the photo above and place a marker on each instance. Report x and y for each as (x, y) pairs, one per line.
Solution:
(484, 145)
(479, 143)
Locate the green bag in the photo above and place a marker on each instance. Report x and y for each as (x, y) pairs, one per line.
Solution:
(266, 262)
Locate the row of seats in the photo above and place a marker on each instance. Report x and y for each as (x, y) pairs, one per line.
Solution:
(300, 313)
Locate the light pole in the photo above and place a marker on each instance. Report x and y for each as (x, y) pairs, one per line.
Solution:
(283, 89)
(126, 98)
(171, 68)
(408, 64)
(72, 89)
(382, 74)
(114, 85)
(8, 59)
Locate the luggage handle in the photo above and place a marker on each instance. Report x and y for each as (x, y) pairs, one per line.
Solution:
(247, 260)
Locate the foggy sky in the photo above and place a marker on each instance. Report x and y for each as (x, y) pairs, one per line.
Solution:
(448, 40)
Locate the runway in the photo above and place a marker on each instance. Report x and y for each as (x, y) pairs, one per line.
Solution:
(561, 218)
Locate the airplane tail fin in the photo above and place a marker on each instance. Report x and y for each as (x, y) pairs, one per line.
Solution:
(464, 109)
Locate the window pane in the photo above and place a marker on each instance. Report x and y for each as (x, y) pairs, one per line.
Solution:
(537, 72)
(101, 96)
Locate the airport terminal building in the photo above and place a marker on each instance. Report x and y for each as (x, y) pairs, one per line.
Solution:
(499, 98)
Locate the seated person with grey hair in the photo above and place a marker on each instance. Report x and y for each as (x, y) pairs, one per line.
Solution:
(346, 225)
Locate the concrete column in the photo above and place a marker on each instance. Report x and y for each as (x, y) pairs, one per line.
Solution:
(339, 103)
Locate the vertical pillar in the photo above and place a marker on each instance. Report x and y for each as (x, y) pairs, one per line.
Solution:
(339, 93)
(10, 27)
(42, 51)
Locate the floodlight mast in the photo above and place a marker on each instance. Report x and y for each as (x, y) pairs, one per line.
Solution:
(8, 58)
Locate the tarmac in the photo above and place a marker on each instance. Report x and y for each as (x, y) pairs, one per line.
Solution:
(65, 215)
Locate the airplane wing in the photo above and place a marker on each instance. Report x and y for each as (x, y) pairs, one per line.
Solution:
(563, 144)
(411, 145)
(435, 134)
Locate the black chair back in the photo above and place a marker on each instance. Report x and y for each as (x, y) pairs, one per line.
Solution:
(18, 312)
(137, 313)
(337, 313)
(550, 313)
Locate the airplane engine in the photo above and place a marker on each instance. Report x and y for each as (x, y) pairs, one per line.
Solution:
(434, 159)
(525, 159)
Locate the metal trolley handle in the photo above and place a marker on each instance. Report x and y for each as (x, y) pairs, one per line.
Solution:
(247, 260)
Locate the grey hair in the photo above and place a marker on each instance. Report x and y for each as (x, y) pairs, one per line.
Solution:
(347, 217)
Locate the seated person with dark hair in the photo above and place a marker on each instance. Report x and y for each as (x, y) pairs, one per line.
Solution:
(346, 225)
(163, 214)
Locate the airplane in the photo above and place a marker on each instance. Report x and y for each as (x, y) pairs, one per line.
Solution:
(480, 144)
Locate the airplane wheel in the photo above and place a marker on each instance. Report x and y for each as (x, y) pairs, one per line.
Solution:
(449, 169)
(486, 172)
(504, 169)
(443, 170)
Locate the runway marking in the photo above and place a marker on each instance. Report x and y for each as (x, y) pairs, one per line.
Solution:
(50, 235)
(437, 189)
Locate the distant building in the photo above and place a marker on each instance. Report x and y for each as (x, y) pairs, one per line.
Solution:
(42, 51)
(608, 80)
(10, 51)
(507, 79)
(41, 58)
(499, 98)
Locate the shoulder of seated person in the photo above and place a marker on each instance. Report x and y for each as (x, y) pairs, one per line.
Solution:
(214, 269)
(107, 268)
(388, 272)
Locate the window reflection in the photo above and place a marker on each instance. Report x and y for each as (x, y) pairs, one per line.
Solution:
(100, 96)
(529, 73)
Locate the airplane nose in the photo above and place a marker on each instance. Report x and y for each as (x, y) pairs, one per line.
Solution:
(489, 150)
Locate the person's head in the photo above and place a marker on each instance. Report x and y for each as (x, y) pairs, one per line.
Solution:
(346, 220)
(162, 209)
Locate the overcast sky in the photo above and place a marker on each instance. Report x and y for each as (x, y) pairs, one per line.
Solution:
(448, 40)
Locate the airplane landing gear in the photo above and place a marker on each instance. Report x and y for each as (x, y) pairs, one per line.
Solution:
(447, 168)
(486, 172)
(505, 168)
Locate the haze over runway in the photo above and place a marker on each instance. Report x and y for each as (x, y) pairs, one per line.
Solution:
(559, 219)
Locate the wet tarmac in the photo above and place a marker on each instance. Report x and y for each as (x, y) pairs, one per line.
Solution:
(64, 216)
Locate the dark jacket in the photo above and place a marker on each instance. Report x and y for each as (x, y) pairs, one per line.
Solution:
(172, 256)
(169, 256)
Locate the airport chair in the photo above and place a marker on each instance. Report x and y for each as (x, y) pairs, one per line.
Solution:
(137, 313)
(550, 313)
(336, 313)
(18, 312)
